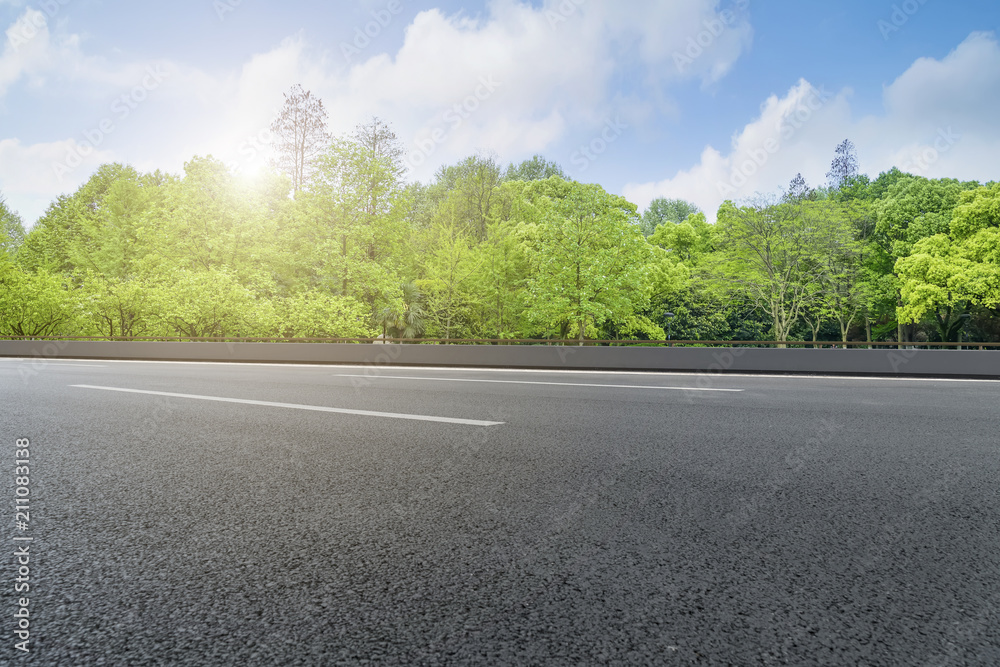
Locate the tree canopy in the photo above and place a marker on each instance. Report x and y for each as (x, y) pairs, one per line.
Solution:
(346, 248)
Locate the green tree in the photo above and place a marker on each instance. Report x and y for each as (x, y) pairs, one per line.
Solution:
(405, 316)
(34, 304)
(777, 252)
(209, 304)
(114, 307)
(501, 269)
(535, 169)
(662, 210)
(11, 231)
(798, 190)
(62, 241)
(590, 263)
(358, 208)
(913, 208)
(449, 269)
(945, 274)
(316, 314)
(473, 188)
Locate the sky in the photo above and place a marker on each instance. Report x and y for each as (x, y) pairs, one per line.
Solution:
(692, 99)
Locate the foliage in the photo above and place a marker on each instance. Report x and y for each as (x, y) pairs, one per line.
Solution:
(315, 314)
(777, 252)
(117, 307)
(948, 273)
(589, 261)
(11, 231)
(535, 169)
(210, 304)
(661, 211)
(485, 252)
(34, 304)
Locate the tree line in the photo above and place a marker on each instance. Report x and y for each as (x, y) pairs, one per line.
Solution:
(334, 243)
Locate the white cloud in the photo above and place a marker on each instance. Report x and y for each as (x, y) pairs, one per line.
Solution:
(516, 80)
(939, 121)
(551, 66)
(32, 173)
(28, 49)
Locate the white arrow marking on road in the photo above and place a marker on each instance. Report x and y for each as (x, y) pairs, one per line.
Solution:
(558, 384)
(294, 406)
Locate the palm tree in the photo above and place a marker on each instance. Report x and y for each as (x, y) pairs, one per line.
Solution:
(408, 322)
(388, 319)
(411, 321)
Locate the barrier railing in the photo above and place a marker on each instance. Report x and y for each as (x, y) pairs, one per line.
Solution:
(533, 341)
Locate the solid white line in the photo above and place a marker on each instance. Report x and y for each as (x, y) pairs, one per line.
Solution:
(75, 365)
(294, 406)
(558, 384)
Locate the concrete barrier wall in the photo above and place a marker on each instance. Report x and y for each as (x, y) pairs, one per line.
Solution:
(943, 363)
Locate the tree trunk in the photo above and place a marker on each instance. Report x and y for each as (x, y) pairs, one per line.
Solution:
(345, 264)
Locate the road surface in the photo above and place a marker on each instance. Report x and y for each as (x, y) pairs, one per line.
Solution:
(200, 514)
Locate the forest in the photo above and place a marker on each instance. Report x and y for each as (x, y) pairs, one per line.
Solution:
(333, 242)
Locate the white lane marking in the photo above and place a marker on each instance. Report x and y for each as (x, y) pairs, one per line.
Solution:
(558, 384)
(324, 366)
(295, 406)
(76, 365)
(43, 362)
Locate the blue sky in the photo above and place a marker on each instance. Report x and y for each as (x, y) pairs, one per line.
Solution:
(698, 99)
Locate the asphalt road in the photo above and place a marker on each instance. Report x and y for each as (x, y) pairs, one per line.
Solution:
(424, 516)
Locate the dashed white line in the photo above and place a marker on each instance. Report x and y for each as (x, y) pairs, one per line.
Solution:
(557, 384)
(295, 406)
